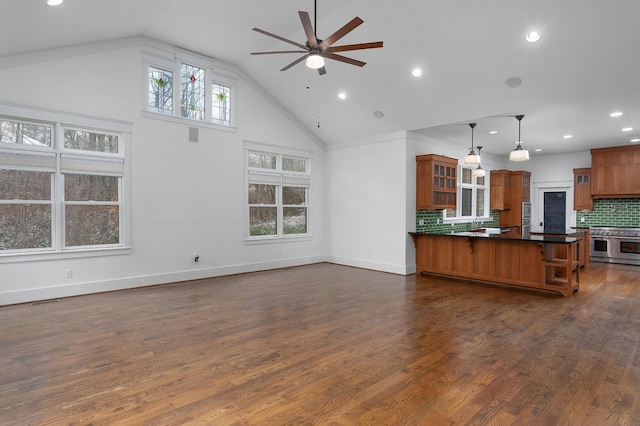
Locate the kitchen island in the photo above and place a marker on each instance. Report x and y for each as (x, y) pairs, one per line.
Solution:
(544, 263)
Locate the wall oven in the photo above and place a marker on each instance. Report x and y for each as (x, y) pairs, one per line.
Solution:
(615, 245)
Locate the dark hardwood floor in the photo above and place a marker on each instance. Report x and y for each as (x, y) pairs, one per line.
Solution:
(330, 345)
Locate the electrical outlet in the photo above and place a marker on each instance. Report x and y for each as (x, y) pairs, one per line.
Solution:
(421, 222)
(69, 273)
(582, 219)
(438, 221)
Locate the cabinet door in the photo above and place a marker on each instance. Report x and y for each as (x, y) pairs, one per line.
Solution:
(500, 193)
(582, 189)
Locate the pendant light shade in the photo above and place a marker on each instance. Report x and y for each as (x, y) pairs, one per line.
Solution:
(472, 159)
(479, 171)
(519, 154)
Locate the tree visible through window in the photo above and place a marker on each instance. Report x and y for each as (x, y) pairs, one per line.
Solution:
(60, 193)
(278, 194)
(192, 93)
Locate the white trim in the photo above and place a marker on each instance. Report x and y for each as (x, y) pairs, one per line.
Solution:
(76, 289)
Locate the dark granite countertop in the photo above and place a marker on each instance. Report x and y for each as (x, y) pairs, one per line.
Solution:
(478, 234)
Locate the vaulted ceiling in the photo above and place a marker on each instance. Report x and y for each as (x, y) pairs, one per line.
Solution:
(585, 66)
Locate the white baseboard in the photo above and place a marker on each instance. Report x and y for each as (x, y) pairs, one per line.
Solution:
(77, 289)
(376, 266)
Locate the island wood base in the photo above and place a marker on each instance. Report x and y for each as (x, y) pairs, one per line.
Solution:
(538, 263)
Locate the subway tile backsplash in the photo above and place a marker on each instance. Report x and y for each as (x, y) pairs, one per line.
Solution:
(611, 212)
(606, 212)
(430, 219)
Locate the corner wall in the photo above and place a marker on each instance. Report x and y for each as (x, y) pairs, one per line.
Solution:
(185, 195)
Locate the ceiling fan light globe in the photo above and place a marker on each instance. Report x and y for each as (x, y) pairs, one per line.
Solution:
(315, 61)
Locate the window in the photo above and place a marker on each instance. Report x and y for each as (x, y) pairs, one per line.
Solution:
(471, 198)
(62, 185)
(277, 195)
(160, 90)
(192, 92)
(202, 95)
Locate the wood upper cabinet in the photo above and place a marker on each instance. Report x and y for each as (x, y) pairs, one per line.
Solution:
(520, 187)
(500, 192)
(615, 172)
(435, 182)
(582, 189)
(509, 188)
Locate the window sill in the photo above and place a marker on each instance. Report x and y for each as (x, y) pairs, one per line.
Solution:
(67, 254)
(187, 121)
(272, 240)
(478, 220)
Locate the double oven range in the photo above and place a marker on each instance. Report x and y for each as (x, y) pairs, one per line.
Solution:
(615, 244)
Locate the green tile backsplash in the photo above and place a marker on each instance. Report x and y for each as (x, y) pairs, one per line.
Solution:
(431, 224)
(606, 212)
(611, 212)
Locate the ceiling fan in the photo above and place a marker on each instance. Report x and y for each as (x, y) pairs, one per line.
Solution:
(315, 49)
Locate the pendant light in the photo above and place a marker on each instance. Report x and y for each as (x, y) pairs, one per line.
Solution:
(519, 154)
(479, 171)
(472, 159)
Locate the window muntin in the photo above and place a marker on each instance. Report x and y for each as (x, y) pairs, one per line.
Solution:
(192, 95)
(160, 90)
(278, 191)
(221, 104)
(25, 133)
(25, 210)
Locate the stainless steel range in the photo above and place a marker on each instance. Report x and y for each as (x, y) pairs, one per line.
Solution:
(615, 244)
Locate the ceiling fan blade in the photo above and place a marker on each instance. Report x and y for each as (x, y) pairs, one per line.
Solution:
(347, 28)
(279, 51)
(297, 61)
(308, 29)
(345, 59)
(359, 46)
(322, 71)
(280, 38)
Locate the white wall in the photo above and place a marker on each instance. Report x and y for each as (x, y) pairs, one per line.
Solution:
(185, 195)
(367, 204)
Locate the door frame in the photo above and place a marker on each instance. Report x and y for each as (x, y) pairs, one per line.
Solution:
(537, 210)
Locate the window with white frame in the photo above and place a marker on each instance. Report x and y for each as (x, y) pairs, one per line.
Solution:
(203, 95)
(471, 196)
(277, 195)
(62, 185)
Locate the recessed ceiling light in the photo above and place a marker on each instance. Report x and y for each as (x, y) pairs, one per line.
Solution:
(615, 114)
(417, 72)
(627, 129)
(538, 149)
(635, 140)
(493, 132)
(342, 95)
(533, 37)
(54, 2)
(567, 136)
